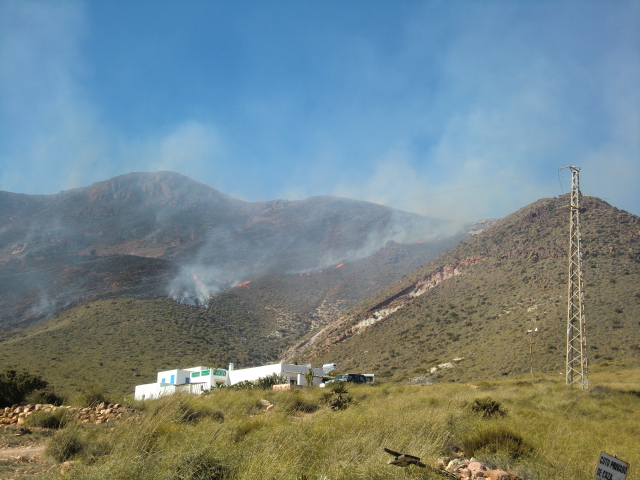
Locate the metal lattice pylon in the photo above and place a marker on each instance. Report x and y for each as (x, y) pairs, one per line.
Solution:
(576, 369)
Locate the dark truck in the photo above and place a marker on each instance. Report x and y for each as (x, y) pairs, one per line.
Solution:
(349, 377)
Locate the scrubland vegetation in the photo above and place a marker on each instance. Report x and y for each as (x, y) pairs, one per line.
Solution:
(537, 429)
(483, 314)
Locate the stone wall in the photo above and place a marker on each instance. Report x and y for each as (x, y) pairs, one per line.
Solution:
(101, 413)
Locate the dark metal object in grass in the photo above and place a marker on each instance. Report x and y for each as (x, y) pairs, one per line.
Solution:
(403, 460)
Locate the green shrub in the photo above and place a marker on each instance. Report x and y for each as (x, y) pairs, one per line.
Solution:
(55, 419)
(267, 382)
(64, 445)
(193, 414)
(180, 408)
(496, 440)
(45, 395)
(339, 388)
(335, 398)
(299, 404)
(14, 386)
(264, 383)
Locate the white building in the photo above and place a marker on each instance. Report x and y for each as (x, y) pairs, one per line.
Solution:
(199, 379)
(189, 380)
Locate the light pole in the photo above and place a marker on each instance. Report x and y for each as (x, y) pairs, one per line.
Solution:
(530, 333)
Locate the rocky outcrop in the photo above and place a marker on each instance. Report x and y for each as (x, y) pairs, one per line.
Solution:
(429, 281)
(463, 468)
(101, 413)
(394, 303)
(348, 326)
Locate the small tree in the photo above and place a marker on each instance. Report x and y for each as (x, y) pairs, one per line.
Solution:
(15, 386)
(309, 377)
(337, 402)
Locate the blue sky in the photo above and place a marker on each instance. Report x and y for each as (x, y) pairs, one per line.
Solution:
(457, 109)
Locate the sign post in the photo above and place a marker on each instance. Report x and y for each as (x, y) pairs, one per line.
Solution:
(611, 468)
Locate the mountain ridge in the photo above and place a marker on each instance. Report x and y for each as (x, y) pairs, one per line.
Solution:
(184, 240)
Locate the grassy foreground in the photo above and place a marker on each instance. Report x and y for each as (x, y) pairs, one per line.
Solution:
(540, 430)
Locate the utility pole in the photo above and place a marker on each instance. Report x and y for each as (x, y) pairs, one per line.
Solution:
(576, 368)
(530, 333)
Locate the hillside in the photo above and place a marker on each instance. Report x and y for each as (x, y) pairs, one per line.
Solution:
(476, 302)
(121, 342)
(149, 235)
(218, 279)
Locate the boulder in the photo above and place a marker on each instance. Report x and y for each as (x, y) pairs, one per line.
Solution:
(476, 469)
(500, 475)
(65, 466)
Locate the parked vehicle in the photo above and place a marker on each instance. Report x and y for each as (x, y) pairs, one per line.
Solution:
(349, 377)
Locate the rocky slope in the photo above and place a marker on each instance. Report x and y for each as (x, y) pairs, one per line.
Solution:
(477, 301)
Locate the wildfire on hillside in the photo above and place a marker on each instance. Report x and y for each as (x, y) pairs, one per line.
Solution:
(244, 284)
(340, 265)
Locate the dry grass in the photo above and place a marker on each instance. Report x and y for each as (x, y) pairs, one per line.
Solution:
(549, 431)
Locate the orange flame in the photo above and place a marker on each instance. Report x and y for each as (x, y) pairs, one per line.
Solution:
(340, 265)
(243, 284)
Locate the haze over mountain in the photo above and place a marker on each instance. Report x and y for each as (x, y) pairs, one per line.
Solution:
(163, 234)
(475, 302)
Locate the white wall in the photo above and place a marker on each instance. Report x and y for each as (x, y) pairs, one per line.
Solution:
(291, 372)
(179, 377)
(155, 390)
(150, 390)
(254, 373)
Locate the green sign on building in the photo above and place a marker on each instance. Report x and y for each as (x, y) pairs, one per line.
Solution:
(206, 373)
